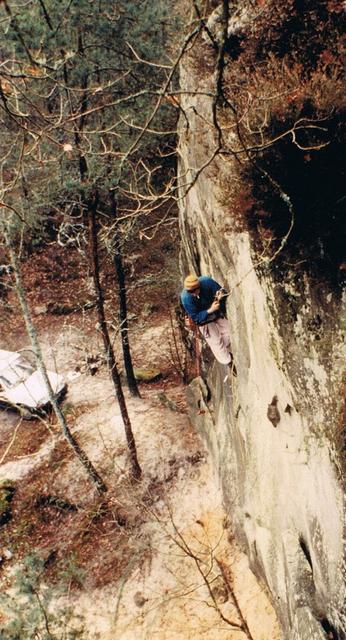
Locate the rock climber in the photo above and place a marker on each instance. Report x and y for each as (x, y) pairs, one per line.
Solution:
(204, 301)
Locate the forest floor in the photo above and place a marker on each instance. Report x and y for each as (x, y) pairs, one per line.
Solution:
(152, 561)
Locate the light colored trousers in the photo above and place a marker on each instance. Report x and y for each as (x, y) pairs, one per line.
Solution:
(217, 336)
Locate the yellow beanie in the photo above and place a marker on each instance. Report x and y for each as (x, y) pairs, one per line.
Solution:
(191, 282)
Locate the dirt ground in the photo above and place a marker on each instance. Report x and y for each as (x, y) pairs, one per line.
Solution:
(153, 561)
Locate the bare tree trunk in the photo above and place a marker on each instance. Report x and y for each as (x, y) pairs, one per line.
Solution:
(94, 259)
(124, 331)
(81, 455)
(91, 204)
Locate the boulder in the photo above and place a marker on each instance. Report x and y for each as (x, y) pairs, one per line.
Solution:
(147, 375)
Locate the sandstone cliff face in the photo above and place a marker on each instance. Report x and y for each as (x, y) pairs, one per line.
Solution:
(281, 483)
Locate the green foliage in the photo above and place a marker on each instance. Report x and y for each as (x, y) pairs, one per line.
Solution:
(72, 573)
(75, 97)
(7, 489)
(34, 610)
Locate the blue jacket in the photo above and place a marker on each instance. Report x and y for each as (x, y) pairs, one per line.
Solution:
(196, 308)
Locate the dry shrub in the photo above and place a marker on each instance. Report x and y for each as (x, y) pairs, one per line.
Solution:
(283, 93)
(297, 29)
(284, 98)
(284, 64)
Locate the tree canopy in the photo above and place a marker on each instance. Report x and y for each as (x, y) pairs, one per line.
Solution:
(79, 83)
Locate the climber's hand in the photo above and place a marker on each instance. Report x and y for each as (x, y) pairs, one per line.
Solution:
(215, 306)
(221, 293)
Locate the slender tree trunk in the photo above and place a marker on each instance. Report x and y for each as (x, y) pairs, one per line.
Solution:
(94, 259)
(124, 331)
(94, 266)
(81, 455)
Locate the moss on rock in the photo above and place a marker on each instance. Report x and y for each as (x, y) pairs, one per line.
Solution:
(7, 490)
(147, 375)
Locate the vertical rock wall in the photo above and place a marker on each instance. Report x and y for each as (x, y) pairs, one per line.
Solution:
(281, 484)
